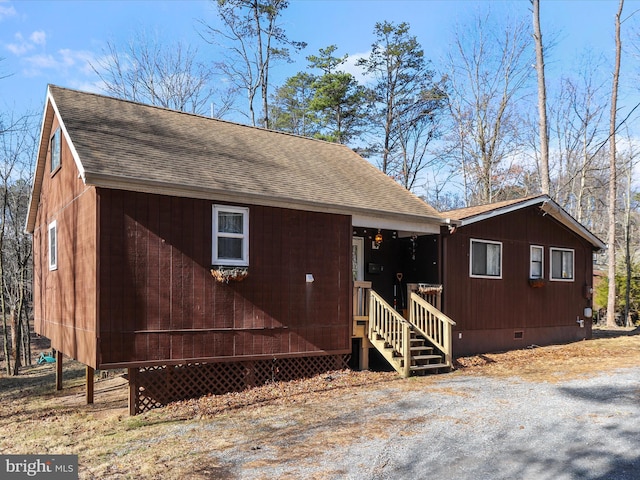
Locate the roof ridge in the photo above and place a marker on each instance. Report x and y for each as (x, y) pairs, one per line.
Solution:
(191, 114)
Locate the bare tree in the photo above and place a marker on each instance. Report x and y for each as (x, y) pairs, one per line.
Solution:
(17, 148)
(613, 174)
(543, 130)
(252, 40)
(146, 70)
(628, 223)
(489, 68)
(578, 162)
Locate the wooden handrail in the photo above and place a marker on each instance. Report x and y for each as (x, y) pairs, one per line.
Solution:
(388, 324)
(361, 299)
(432, 293)
(431, 323)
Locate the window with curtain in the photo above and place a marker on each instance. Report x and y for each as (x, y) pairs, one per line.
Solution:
(230, 236)
(486, 259)
(536, 268)
(562, 264)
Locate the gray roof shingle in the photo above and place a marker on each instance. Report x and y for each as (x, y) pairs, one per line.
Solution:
(135, 144)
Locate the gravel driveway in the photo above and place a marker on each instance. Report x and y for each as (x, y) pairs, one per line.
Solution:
(454, 426)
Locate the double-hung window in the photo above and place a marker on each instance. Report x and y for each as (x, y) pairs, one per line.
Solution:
(562, 264)
(230, 236)
(55, 150)
(52, 233)
(486, 259)
(536, 263)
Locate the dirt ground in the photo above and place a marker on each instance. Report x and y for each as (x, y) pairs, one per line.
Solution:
(187, 439)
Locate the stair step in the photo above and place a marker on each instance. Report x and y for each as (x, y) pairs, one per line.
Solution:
(426, 357)
(421, 349)
(432, 366)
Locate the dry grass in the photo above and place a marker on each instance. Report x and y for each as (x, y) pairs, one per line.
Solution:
(185, 439)
(611, 348)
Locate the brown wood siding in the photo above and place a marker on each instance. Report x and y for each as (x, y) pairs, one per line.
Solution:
(65, 299)
(511, 304)
(159, 302)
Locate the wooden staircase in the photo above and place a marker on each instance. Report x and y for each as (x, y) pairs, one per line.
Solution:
(422, 357)
(416, 346)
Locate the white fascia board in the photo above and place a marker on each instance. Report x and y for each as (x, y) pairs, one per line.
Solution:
(556, 211)
(548, 206)
(416, 226)
(63, 128)
(501, 211)
(38, 170)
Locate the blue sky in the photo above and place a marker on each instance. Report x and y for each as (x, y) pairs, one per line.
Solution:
(53, 41)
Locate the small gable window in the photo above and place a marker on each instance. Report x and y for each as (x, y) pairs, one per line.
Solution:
(230, 236)
(536, 267)
(562, 263)
(55, 151)
(53, 245)
(486, 259)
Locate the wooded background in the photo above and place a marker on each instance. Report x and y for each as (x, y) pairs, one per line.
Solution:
(482, 125)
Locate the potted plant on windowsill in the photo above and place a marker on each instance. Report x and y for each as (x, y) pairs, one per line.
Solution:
(224, 274)
(537, 282)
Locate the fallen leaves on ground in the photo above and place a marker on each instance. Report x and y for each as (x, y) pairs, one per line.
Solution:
(609, 349)
(279, 392)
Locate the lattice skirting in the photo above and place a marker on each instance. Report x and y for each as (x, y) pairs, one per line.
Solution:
(153, 387)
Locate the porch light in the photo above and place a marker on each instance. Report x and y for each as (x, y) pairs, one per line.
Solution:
(378, 238)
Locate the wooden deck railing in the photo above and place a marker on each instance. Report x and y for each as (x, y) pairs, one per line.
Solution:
(430, 292)
(431, 323)
(386, 323)
(361, 300)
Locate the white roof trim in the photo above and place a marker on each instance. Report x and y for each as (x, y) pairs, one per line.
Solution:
(549, 207)
(74, 153)
(41, 157)
(404, 226)
(556, 211)
(502, 210)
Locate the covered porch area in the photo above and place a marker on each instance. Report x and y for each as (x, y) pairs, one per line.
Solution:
(397, 295)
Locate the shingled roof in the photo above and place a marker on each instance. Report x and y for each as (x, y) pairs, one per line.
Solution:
(469, 215)
(127, 145)
(470, 212)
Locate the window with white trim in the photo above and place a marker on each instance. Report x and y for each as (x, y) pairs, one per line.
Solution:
(562, 264)
(230, 236)
(52, 234)
(55, 151)
(485, 259)
(536, 262)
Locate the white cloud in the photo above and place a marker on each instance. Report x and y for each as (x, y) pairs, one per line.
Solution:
(350, 67)
(38, 37)
(61, 62)
(6, 11)
(21, 45)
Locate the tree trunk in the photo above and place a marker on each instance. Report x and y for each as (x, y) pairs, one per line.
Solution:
(26, 338)
(627, 245)
(16, 332)
(542, 101)
(611, 300)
